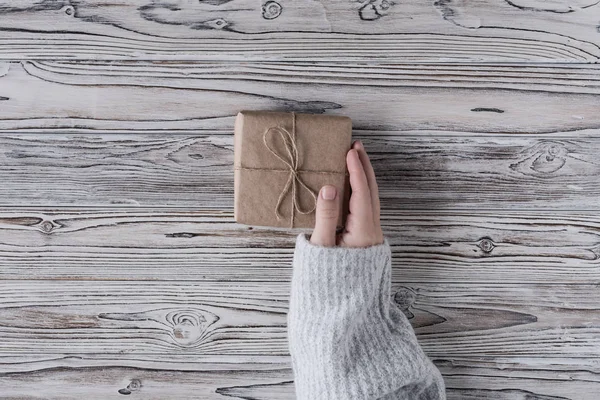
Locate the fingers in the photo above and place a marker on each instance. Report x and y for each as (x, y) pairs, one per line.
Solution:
(372, 181)
(360, 201)
(326, 217)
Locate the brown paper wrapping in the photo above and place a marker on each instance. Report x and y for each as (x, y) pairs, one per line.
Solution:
(322, 142)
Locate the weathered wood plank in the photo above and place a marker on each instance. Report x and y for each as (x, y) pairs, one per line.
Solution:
(208, 245)
(360, 30)
(496, 172)
(142, 97)
(15, 363)
(114, 382)
(521, 378)
(249, 319)
(102, 377)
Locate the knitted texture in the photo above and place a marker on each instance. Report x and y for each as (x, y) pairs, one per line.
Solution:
(347, 339)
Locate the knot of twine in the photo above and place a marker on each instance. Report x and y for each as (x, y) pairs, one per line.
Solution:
(294, 182)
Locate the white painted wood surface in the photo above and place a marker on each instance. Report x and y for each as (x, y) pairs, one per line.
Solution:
(248, 318)
(122, 271)
(206, 245)
(535, 172)
(173, 97)
(95, 377)
(302, 30)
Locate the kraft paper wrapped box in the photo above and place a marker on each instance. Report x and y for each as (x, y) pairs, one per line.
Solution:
(281, 162)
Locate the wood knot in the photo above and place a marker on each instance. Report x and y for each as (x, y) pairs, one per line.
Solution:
(188, 326)
(69, 10)
(374, 9)
(405, 298)
(133, 386)
(218, 23)
(271, 10)
(486, 245)
(47, 226)
(552, 157)
(543, 159)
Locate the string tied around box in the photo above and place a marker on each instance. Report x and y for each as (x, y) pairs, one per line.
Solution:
(294, 181)
(291, 158)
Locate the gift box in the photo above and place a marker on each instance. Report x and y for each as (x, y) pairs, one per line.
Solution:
(281, 161)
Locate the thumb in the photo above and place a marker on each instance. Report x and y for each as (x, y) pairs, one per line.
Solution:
(326, 217)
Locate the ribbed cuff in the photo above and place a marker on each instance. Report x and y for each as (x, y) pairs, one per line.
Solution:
(326, 277)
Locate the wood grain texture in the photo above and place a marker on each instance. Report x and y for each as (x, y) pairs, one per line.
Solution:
(97, 377)
(249, 319)
(505, 378)
(117, 382)
(440, 173)
(208, 245)
(189, 97)
(443, 31)
(122, 272)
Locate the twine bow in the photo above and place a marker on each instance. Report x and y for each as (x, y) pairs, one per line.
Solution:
(289, 139)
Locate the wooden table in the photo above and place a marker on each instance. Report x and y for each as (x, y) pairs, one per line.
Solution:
(123, 272)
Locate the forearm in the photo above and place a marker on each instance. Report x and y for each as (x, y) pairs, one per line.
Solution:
(347, 340)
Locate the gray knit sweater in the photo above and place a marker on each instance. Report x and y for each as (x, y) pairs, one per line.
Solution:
(347, 339)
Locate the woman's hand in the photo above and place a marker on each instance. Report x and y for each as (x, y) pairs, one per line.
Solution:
(363, 227)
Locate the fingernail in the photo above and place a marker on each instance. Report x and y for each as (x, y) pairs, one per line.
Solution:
(360, 144)
(328, 192)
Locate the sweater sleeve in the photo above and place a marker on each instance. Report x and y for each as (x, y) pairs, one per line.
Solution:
(347, 339)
